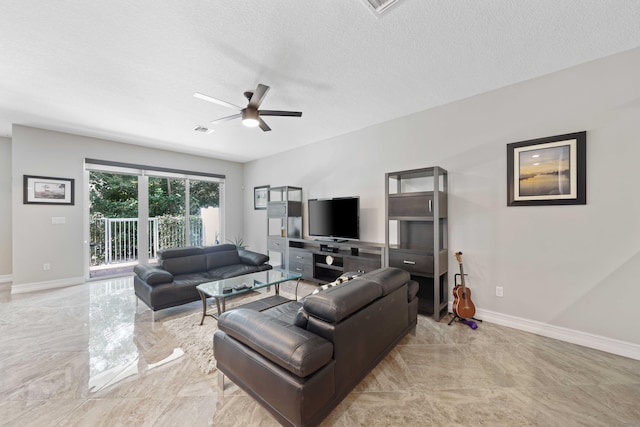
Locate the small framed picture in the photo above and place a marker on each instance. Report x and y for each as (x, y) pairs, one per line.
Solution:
(42, 190)
(260, 197)
(548, 171)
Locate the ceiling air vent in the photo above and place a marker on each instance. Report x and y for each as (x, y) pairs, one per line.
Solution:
(380, 6)
(202, 129)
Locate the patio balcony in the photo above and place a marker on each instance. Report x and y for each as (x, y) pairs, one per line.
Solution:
(114, 241)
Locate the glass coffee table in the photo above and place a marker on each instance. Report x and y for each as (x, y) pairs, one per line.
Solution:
(222, 289)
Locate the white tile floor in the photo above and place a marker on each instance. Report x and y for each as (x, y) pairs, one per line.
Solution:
(85, 356)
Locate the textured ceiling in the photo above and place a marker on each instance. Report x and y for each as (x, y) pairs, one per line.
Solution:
(127, 70)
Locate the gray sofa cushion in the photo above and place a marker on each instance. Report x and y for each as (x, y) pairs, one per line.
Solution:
(179, 252)
(218, 248)
(185, 265)
(389, 279)
(234, 270)
(339, 302)
(285, 312)
(294, 349)
(222, 258)
(191, 280)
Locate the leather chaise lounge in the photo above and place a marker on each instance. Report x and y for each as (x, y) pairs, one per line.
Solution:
(173, 280)
(301, 358)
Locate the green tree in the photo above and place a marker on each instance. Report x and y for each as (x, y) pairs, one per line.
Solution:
(113, 196)
(203, 194)
(166, 197)
(116, 196)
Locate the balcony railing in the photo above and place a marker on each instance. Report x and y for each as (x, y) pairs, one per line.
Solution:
(115, 240)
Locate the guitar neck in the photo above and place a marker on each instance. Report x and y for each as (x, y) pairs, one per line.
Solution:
(459, 259)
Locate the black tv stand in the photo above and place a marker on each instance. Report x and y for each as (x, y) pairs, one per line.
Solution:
(324, 261)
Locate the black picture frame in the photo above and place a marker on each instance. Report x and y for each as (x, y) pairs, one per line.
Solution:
(45, 190)
(548, 171)
(260, 197)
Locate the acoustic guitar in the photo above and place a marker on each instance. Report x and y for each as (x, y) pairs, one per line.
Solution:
(462, 304)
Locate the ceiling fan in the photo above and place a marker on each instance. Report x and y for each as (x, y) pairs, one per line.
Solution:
(251, 116)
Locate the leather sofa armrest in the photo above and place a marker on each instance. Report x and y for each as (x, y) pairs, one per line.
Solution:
(297, 350)
(153, 274)
(252, 258)
(412, 289)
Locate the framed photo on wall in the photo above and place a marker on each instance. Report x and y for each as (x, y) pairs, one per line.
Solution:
(548, 171)
(42, 190)
(260, 197)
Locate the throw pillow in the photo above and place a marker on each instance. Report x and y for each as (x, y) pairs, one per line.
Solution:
(342, 279)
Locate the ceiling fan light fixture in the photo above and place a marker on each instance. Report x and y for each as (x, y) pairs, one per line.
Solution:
(250, 118)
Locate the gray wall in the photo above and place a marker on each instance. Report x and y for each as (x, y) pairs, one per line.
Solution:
(573, 267)
(41, 152)
(5, 209)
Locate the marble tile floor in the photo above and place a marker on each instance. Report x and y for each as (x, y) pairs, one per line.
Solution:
(87, 356)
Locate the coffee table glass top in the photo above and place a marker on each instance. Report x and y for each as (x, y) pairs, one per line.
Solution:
(252, 281)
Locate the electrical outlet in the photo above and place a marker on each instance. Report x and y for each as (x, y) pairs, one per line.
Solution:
(46, 266)
(499, 291)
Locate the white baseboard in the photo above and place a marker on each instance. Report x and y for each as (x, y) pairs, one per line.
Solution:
(610, 345)
(6, 278)
(42, 286)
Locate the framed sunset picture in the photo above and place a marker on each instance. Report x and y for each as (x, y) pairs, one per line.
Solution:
(547, 171)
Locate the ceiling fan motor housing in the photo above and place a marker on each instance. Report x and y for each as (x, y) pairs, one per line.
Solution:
(250, 117)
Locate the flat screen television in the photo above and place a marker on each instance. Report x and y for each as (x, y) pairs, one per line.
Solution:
(335, 219)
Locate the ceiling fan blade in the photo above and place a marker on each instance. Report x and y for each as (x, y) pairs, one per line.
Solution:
(216, 100)
(280, 113)
(258, 96)
(224, 119)
(265, 127)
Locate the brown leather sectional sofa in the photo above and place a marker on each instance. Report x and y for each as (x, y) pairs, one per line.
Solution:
(300, 359)
(173, 280)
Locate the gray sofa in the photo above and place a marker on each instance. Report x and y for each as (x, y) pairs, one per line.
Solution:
(301, 358)
(173, 280)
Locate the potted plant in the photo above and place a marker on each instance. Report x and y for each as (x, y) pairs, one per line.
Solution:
(238, 242)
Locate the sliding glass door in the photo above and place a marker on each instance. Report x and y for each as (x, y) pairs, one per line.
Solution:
(133, 213)
(204, 212)
(167, 213)
(113, 223)
(183, 212)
